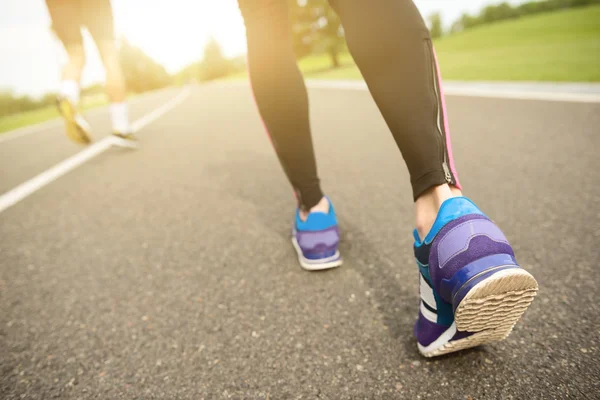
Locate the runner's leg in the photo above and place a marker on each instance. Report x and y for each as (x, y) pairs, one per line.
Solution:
(66, 24)
(472, 289)
(98, 18)
(282, 101)
(281, 95)
(402, 75)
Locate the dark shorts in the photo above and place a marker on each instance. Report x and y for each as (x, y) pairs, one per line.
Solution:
(69, 16)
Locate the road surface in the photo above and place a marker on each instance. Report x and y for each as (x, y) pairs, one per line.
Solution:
(167, 272)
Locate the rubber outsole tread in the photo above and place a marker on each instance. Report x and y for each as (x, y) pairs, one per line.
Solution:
(491, 309)
(496, 301)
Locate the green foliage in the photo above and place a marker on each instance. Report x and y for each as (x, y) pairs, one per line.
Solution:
(214, 65)
(11, 104)
(141, 72)
(20, 119)
(505, 11)
(316, 29)
(435, 25)
(562, 45)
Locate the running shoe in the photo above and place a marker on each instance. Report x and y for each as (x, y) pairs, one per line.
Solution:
(125, 139)
(77, 128)
(472, 289)
(316, 240)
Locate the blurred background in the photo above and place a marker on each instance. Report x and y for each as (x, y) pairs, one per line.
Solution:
(174, 42)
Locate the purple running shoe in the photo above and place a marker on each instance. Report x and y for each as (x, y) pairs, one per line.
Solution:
(316, 240)
(472, 289)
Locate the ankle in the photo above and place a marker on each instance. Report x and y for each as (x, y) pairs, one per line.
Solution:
(69, 89)
(322, 206)
(119, 115)
(456, 192)
(428, 205)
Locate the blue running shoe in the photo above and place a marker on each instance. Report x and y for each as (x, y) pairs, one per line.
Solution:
(316, 240)
(472, 289)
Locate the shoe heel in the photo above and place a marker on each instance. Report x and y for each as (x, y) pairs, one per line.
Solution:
(497, 302)
(490, 293)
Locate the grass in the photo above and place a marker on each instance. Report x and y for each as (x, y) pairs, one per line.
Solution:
(47, 113)
(14, 121)
(558, 46)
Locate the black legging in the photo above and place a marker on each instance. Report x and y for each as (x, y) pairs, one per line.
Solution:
(392, 47)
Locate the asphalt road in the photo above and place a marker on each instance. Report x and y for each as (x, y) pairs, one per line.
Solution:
(167, 272)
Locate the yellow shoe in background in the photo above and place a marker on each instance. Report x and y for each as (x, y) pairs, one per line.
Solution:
(126, 139)
(77, 128)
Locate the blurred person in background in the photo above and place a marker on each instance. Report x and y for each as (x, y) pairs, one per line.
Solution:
(472, 289)
(68, 18)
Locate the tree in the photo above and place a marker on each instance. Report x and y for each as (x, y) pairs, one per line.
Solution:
(316, 28)
(435, 25)
(465, 21)
(498, 12)
(14, 104)
(141, 72)
(214, 64)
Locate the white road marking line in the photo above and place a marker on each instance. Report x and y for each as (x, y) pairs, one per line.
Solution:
(20, 192)
(449, 90)
(153, 115)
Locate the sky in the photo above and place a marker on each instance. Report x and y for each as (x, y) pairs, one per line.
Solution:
(173, 32)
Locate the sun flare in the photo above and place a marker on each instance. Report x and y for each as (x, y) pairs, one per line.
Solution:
(174, 32)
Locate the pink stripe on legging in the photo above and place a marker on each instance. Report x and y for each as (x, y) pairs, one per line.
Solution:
(446, 125)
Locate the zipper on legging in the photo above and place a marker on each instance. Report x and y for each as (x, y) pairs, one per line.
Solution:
(447, 174)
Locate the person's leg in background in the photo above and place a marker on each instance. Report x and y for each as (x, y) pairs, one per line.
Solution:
(66, 24)
(472, 289)
(71, 73)
(115, 88)
(282, 101)
(98, 18)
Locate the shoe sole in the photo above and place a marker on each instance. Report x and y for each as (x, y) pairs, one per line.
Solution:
(316, 265)
(122, 142)
(491, 309)
(74, 132)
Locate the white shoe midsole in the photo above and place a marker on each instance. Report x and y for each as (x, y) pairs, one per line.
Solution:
(322, 263)
(440, 341)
